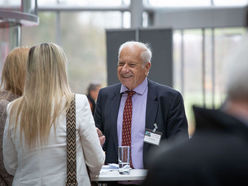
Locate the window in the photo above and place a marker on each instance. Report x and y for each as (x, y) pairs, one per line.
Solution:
(188, 66)
(82, 36)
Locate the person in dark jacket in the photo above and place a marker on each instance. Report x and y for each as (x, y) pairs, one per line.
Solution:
(128, 112)
(92, 94)
(217, 154)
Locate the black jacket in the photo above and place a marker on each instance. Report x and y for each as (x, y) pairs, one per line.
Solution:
(216, 155)
(164, 107)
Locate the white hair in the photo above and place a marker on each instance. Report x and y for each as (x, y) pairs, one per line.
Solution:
(236, 72)
(145, 55)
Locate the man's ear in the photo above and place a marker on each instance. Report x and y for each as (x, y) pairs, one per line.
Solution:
(147, 66)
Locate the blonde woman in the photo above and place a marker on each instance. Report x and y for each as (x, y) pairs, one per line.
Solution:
(34, 143)
(12, 83)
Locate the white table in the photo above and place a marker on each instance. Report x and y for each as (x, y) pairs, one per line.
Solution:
(113, 175)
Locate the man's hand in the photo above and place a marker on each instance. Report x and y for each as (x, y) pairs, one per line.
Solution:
(101, 136)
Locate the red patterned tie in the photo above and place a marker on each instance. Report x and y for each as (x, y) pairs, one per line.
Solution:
(127, 121)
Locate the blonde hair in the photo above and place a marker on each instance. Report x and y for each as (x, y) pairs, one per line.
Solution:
(14, 70)
(45, 86)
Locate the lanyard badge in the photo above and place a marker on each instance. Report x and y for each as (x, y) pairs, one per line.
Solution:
(153, 136)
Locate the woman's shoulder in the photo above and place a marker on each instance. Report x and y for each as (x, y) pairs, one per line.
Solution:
(3, 105)
(81, 99)
(3, 100)
(3, 95)
(7, 95)
(82, 103)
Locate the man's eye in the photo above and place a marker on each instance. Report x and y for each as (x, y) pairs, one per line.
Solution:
(120, 64)
(132, 65)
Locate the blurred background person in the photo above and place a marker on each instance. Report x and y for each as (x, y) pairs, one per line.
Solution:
(92, 93)
(217, 154)
(34, 142)
(12, 83)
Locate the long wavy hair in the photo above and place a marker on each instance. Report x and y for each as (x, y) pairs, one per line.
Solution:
(46, 87)
(14, 70)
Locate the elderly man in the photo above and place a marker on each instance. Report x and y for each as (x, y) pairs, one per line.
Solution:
(130, 112)
(218, 152)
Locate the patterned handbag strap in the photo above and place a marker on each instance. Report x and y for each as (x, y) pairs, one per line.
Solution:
(71, 145)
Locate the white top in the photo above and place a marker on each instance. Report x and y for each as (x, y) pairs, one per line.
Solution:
(46, 165)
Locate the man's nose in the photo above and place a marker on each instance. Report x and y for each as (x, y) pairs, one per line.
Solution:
(125, 68)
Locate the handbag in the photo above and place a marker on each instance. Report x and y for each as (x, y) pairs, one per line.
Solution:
(71, 145)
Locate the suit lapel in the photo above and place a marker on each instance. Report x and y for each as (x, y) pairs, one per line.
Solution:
(115, 108)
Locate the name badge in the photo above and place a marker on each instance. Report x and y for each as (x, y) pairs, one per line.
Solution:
(152, 137)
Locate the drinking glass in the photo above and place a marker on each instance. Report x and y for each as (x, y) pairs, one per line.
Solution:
(124, 159)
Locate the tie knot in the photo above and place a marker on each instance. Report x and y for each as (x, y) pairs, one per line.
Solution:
(130, 93)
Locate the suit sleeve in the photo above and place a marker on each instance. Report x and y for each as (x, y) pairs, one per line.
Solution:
(177, 121)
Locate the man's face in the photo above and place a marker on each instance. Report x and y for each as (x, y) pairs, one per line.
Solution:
(131, 69)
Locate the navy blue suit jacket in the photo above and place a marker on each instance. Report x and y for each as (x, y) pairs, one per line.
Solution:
(164, 107)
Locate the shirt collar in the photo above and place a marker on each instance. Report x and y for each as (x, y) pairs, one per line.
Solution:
(140, 89)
